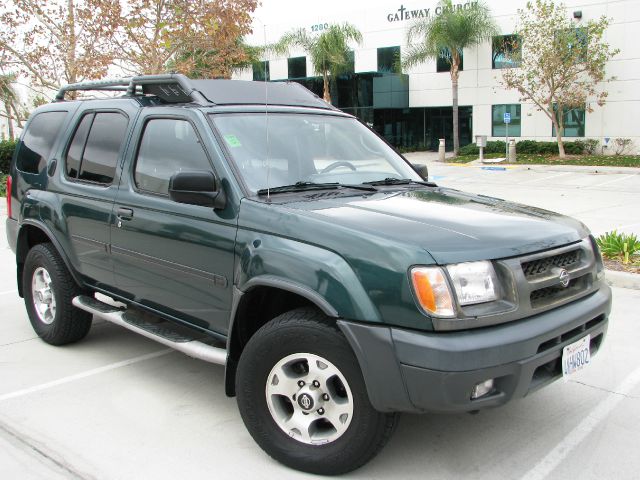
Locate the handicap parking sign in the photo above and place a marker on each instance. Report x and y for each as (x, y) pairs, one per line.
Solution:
(507, 117)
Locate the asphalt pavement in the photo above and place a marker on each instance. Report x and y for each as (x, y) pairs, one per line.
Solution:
(119, 406)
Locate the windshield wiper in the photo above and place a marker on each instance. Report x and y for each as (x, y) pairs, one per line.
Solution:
(399, 181)
(304, 186)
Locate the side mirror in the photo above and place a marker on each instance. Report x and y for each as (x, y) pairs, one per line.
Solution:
(421, 170)
(197, 188)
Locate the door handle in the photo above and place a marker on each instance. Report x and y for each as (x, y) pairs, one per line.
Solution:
(124, 213)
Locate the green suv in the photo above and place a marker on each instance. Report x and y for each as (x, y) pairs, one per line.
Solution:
(255, 226)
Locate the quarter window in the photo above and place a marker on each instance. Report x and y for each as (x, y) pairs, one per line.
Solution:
(95, 147)
(168, 146)
(38, 141)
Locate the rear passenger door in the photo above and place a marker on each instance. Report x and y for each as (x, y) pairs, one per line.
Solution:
(88, 186)
(172, 257)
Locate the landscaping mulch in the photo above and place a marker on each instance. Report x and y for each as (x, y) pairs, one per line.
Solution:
(618, 266)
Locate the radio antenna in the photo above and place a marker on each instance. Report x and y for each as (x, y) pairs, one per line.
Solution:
(266, 113)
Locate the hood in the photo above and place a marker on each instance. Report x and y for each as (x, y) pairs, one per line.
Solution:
(451, 225)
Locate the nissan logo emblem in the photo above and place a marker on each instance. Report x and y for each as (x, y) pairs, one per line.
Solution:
(305, 401)
(564, 278)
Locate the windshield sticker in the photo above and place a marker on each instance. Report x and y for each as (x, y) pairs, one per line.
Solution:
(232, 141)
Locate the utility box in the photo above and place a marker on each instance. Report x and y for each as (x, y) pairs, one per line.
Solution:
(481, 140)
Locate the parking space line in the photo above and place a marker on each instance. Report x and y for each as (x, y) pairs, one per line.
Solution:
(548, 464)
(614, 180)
(545, 178)
(81, 375)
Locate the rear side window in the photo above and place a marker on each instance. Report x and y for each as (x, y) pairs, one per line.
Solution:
(38, 141)
(95, 147)
(168, 146)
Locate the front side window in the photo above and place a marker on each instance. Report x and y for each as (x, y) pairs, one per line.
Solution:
(443, 62)
(168, 146)
(297, 67)
(498, 127)
(38, 140)
(573, 122)
(307, 148)
(505, 52)
(95, 148)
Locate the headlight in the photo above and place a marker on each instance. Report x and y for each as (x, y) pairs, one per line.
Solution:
(474, 282)
(432, 291)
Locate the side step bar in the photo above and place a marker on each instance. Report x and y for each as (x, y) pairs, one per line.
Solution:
(184, 343)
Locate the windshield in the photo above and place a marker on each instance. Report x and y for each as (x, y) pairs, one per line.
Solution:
(307, 148)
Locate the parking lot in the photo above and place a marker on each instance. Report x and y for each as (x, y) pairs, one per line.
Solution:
(119, 406)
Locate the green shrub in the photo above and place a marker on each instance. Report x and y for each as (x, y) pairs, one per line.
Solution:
(619, 245)
(496, 146)
(591, 145)
(3, 185)
(6, 152)
(574, 148)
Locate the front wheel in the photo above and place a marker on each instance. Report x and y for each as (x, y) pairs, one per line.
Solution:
(303, 399)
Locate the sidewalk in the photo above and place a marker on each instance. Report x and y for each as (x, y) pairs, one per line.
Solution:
(428, 158)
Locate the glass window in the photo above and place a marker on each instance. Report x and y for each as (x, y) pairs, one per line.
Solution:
(505, 52)
(498, 127)
(307, 148)
(38, 140)
(261, 71)
(297, 67)
(389, 60)
(574, 120)
(168, 146)
(74, 155)
(103, 147)
(443, 62)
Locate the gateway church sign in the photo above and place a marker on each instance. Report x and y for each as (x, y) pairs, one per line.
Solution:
(403, 13)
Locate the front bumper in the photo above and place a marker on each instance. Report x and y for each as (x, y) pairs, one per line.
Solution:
(410, 371)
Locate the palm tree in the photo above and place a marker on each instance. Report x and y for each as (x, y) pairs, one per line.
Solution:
(330, 53)
(445, 36)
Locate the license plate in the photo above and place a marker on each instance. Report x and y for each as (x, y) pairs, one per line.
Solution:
(576, 356)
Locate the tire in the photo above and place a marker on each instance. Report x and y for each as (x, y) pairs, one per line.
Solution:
(48, 291)
(272, 365)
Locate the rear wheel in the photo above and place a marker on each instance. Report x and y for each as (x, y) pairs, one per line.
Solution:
(303, 399)
(48, 291)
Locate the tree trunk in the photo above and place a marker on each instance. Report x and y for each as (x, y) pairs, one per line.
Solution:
(7, 108)
(326, 94)
(454, 96)
(558, 124)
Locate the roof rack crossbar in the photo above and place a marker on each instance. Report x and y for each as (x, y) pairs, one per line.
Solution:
(171, 88)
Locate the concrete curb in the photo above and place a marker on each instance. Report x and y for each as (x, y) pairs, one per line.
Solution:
(622, 279)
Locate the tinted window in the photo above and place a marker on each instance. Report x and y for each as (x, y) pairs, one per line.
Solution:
(389, 59)
(573, 120)
(74, 155)
(297, 67)
(103, 147)
(38, 141)
(506, 51)
(261, 71)
(443, 62)
(168, 146)
(498, 127)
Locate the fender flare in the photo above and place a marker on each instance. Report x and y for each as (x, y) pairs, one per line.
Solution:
(49, 234)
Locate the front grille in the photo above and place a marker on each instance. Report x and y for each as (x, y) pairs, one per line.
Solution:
(542, 266)
(556, 293)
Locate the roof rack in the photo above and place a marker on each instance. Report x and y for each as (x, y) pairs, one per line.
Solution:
(170, 88)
